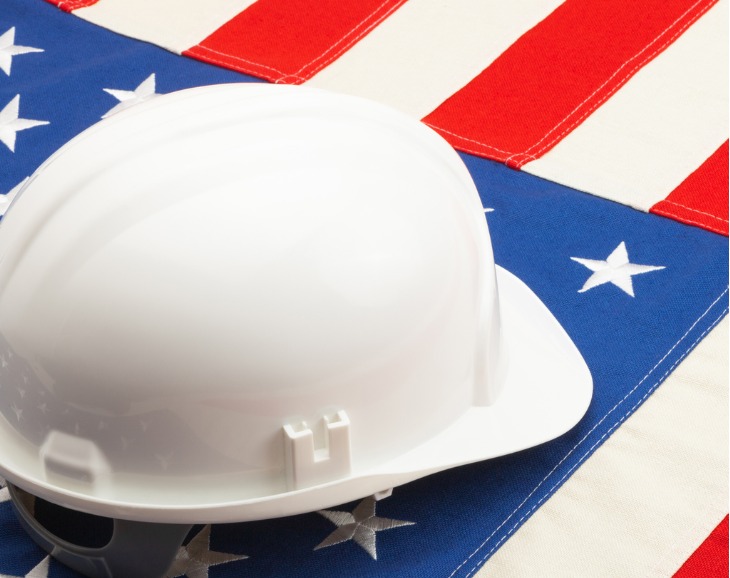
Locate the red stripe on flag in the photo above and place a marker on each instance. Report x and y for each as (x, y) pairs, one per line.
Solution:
(558, 73)
(702, 198)
(70, 5)
(711, 558)
(290, 40)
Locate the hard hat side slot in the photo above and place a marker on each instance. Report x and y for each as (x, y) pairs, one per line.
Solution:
(309, 463)
(71, 526)
(73, 457)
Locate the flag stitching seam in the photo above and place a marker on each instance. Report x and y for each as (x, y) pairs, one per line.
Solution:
(353, 41)
(225, 64)
(369, 22)
(550, 473)
(70, 5)
(520, 158)
(618, 83)
(484, 145)
(694, 210)
(598, 442)
(674, 215)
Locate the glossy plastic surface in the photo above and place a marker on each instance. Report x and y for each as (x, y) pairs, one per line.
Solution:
(247, 301)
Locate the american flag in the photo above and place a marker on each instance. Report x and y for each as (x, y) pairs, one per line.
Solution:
(596, 133)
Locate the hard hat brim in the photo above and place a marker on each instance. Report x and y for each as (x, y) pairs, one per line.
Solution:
(547, 390)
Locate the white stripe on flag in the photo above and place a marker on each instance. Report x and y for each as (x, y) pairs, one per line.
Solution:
(168, 23)
(649, 495)
(427, 50)
(657, 129)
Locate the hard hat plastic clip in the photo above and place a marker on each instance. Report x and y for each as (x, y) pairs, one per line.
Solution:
(307, 465)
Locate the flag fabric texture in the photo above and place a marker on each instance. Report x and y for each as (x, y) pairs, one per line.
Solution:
(597, 136)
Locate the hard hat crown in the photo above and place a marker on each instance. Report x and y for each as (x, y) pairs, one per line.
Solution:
(236, 292)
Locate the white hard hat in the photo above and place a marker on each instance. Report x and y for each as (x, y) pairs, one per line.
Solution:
(246, 301)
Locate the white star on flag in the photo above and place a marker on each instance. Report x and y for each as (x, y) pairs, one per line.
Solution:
(38, 571)
(615, 269)
(127, 98)
(194, 559)
(10, 124)
(360, 526)
(8, 49)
